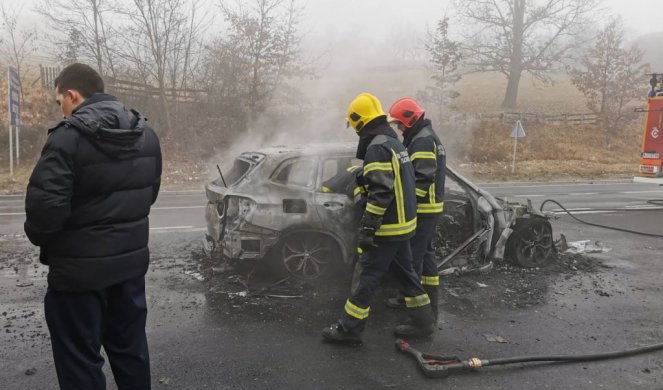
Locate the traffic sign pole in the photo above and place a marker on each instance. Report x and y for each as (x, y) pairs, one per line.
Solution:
(513, 162)
(516, 133)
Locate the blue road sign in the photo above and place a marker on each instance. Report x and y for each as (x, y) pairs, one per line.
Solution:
(14, 97)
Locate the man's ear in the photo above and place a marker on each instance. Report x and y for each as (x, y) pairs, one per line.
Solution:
(75, 96)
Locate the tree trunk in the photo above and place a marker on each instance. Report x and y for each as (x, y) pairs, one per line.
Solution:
(97, 37)
(164, 106)
(511, 95)
(516, 60)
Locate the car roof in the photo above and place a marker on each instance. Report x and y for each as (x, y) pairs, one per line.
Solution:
(283, 151)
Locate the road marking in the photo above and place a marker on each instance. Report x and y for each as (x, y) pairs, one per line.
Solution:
(153, 208)
(177, 229)
(553, 185)
(641, 192)
(183, 192)
(171, 227)
(582, 193)
(576, 209)
(528, 196)
(178, 207)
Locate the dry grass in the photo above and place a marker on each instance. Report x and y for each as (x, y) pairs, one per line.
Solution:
(484, 93)
(15, 184)
(491, 142)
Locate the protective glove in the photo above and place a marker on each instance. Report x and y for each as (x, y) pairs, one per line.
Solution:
(369, 224)
(366, 239)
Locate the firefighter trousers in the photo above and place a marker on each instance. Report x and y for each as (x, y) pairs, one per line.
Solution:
(376, 262)
(423, 250)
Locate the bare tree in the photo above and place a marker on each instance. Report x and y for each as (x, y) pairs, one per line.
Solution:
(263, 46)
(160, 42)
(522, 36)
(85, 33)
(445, 56)
(18, 44)
(611, 76)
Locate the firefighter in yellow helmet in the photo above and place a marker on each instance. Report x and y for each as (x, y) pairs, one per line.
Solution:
(387, 224)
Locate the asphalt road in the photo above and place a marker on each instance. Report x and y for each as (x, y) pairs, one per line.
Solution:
(204, 333)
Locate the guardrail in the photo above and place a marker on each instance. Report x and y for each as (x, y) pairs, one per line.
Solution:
(566, 118)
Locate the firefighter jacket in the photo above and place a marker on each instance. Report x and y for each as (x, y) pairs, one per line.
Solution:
(388, 178)
(429, 160)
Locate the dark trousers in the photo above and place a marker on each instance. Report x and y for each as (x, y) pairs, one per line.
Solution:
(376, 263)
(423, 248)
(81, 323)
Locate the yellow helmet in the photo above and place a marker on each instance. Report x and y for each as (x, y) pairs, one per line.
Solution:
(363, 109)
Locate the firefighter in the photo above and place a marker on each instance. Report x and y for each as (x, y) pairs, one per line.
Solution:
(428, 158)
(387, 224)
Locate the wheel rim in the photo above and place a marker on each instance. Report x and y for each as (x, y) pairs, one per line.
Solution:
(306, 256)
(536, 245)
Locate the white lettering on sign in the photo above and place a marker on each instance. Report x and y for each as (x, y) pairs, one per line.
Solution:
(655, 132)
(15, 96)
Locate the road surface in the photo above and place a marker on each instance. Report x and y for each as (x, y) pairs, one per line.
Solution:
(205, 333)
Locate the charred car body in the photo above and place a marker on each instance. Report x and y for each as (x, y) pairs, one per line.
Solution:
(271, 206)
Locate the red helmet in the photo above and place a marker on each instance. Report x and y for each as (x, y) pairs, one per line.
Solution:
(407, 111)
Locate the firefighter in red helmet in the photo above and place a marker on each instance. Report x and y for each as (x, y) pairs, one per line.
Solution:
(428, 157)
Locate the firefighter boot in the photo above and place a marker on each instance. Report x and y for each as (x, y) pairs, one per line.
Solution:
(421, 322)
(337, 334)
(433, 293)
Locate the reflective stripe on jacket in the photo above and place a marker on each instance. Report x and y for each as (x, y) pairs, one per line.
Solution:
(429, 161)
(389, 181)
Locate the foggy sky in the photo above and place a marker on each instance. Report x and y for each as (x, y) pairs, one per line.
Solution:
(377, 16)
(354, 27)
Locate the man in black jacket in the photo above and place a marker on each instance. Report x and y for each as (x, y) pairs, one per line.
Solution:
(387, 224)
(87, 207)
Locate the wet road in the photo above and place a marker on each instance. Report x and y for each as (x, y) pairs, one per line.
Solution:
(204, 333)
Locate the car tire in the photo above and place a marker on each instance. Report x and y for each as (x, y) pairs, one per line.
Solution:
(531, 243)
(306, 255)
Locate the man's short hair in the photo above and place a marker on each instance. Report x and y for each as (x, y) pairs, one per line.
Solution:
(81, 78)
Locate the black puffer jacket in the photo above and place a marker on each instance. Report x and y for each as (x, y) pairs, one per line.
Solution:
(89, 196)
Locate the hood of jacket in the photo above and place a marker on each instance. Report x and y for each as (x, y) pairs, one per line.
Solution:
(409, 134)
(378, 126)
(111, 127)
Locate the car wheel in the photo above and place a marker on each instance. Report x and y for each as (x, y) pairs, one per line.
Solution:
(306, 255)
(531, 243)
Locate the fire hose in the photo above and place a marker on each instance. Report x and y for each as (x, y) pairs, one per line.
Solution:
(653, 201)
(438, 366)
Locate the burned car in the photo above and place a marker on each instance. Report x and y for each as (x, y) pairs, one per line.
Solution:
(272, 206)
